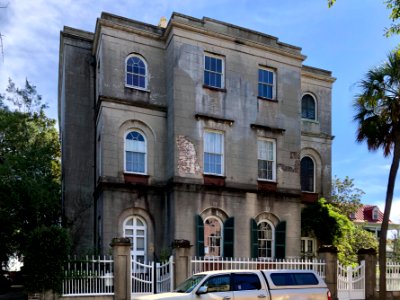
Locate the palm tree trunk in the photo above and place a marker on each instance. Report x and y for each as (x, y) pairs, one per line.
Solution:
(385, 222)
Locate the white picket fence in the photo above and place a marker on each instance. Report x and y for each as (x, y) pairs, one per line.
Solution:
(392, 276)
(88, 276)
(200, 264)
(93, 276)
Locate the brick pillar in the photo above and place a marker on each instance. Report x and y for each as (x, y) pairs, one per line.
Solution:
(329, 255)
(369, 256)
(182, 260)
(121, 249)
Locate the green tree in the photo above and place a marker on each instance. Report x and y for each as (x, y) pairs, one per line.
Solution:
(345, 196)
(46, 252)
(378, 117)
(29, 169)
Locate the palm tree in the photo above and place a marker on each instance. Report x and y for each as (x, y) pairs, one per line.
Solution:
(378, 117)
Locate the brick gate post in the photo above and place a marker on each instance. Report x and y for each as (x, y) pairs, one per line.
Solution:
(369, 256)
(329, 255)
(121, 250)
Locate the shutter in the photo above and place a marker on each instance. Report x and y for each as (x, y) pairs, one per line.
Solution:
(199, 236)
(228, 237)
(253, 238)
(280, 240)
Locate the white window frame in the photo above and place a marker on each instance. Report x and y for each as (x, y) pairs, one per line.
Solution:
(272, 239)
(259, 154)
(221, 237)
(265, 83)
(146, 77)
(306, 251)
(222, 153)
(135, 228)
(375, 213)
(222, 74)
(145, 153)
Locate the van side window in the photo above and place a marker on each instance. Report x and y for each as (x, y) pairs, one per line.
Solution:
(243, 282)
(294, 279)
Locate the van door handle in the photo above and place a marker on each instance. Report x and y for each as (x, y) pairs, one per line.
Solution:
(262, 296)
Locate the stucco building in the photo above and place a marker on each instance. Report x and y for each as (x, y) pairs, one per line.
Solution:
(192, 130)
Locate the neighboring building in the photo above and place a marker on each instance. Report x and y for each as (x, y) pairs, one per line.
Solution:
(200, 130)
(370, 218)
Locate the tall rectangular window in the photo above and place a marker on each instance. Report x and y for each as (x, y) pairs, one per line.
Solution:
(213, 71)
(266, 83)
(213, 153)
(266, 159)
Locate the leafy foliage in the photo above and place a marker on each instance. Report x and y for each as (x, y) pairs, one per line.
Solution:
(330, 227)
(319, 219)
(46, 252)
(29, 170)
(346, 198)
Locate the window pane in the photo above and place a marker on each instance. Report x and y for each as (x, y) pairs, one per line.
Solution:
(265, 239)
(207, 63)
(266, 84)
(140, 244)
(141, 81)
(136, 70)
(308, 107)
(218, 82)
(213, 71)
(129, 79)
(307, 174)
(135, 80)
(212, 237)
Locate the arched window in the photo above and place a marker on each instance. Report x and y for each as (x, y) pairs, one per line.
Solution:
(213, 239)
(135, 153)
(308, 107)
(307, 174)
(266, 243)
(136, 230)
(136, 72)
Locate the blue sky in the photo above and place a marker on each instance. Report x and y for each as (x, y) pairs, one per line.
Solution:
(346, 39)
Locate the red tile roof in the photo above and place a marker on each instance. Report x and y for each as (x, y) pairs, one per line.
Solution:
(364, 214)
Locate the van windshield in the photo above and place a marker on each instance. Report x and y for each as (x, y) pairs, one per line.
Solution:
(189, 284)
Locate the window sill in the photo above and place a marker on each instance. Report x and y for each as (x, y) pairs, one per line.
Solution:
(214, 88)
(267, 99)
(310, 120)
(214, 180)
(264, 185)
(137, 89)
(134, 178)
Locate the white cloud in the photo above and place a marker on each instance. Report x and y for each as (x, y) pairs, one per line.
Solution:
(394, 211)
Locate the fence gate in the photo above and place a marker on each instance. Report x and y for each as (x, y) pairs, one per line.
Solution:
(152, 277)
(351, 282)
